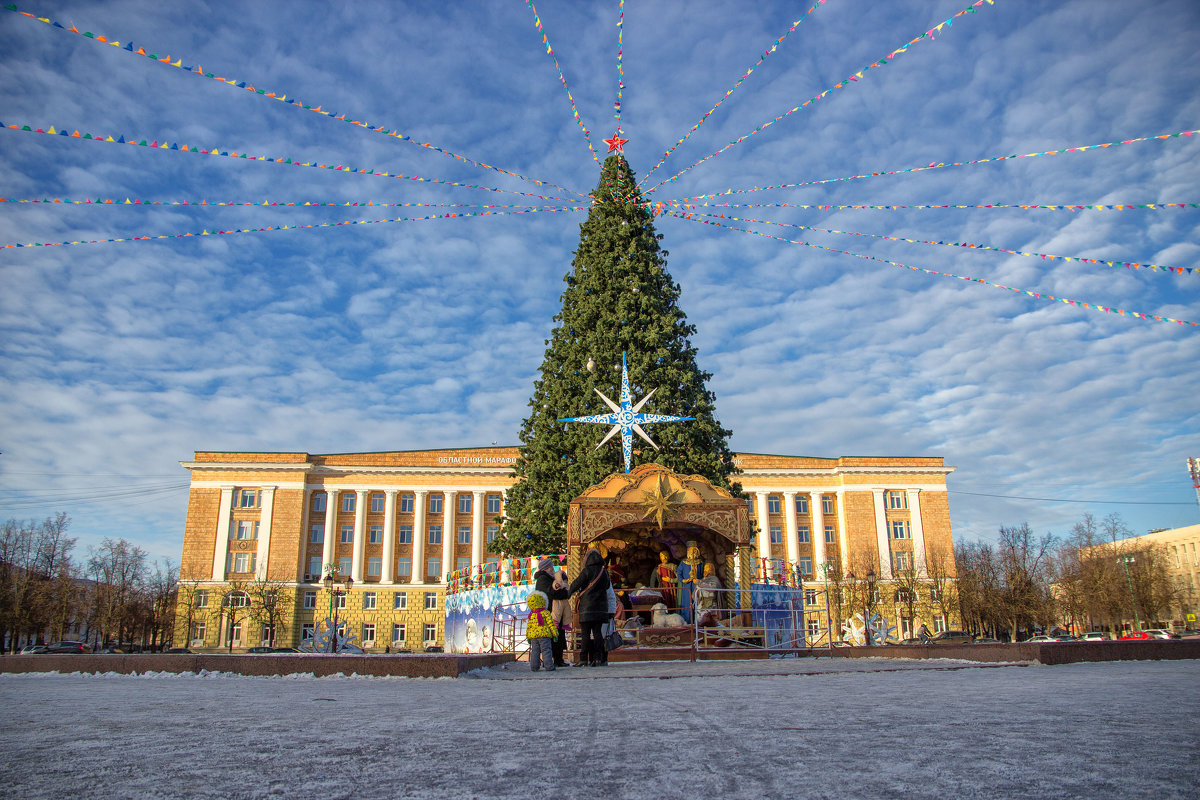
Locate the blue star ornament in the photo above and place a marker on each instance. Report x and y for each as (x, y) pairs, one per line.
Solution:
(626, 418)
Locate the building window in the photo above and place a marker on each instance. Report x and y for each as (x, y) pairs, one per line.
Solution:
(399, 601)
(434, 568)
(897, 499)
(310, 600)
(368, 634)
(464, 534)
(404, 567)
(802, 532)
(435, 534)
(317, 535)
(339, 600)
(939, 623)
(237, 600)
(245, 529)
(318, 501)
(493, 504)
(829, 534)
(905, 595)
(199, 629)
(826, 504)
(374, 566)
(901, 561)
(343, 565)
(348, 501)
(810, 597)
(900, 529)
(248, 498)
(435, 503)
(375, 535)
(464, 504)
(376, 503)
(306, 632)
(202, 598)
(813, 626)
(404, 534)
(801, 504)
(805, 565)
(935, 594)
(431, 601)
(430, 634)
(244, 562)
(492, 532)
(406, 504)
(464, 563)
(268, 634)
(314, 568)
(773, 504)
(906, 630)
(776, 534)
(398, 632)
(235, 634)
(347, 534)
(368, 601)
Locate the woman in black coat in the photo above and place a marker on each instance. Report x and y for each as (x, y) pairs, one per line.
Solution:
(543, 581)
(592, 587)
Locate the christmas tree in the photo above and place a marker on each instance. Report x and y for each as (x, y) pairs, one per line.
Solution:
(620, 300)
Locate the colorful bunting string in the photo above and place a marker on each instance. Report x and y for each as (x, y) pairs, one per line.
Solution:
(620, 64)
(704, 117)
(1045, 256)
(1038, 295)
(164, 145)
(283, 98)
(940, 165)
(270, 203)
(854, 78)
(207, 232)
(895, 206)
(587, 135)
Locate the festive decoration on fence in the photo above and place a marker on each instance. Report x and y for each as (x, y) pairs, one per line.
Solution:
(207, 232)
(164, 145)
(626, 418)
(1044, 256)
(656, 207)
(505, 572)
(1039, 295)
(283, 98)
(853, 78)
(943, 165)
(587, 135)
(730, 91)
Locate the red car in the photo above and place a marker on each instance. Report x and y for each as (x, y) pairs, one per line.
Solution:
(1133, 635)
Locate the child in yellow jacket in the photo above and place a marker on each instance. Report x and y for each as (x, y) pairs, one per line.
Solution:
(540, 631)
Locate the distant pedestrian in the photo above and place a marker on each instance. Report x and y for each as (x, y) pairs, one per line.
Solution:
(540, 632)
(923, 633)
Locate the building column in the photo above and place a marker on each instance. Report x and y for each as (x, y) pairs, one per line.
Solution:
(818, 529)
(264, 532)
(477, 501)
(360, 537)
(792, 534)
(221, 552)
(389, 537)
(448, 534)
(327, 548)
(842, 532)
(420, 498)
(764, 531)
(881, 537)
(918, 532)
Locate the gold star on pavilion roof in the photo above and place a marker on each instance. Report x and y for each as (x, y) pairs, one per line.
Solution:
(661, 503)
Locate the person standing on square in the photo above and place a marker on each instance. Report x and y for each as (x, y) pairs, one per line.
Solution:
(540, 633)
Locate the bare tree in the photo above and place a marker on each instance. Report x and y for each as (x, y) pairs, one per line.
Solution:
(943, 583)
(268, 606)
(1024, 563)
(118, 569)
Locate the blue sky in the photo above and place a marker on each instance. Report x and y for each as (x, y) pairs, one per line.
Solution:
(118, 360)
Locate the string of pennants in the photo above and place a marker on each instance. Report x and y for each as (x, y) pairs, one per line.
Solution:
(206, 232)
(620, 64)
(941, 165)
(704, 117)
(164, 145)
(498, 573)
(587, 135)
(924, 206)
(853, 78)
(282, 98)
(87, 201)
(1045, 256)
(1038, 295)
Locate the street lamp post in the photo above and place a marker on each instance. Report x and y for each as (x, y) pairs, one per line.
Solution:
(825, 567)
(869, 602)
(331, 580)
(1125, 562)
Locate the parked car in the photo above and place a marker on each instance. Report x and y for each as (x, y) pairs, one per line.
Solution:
(177, 650)
(1094, 636)
(31, 649)
(1047, 637)
(1159, 633)
(953, 637)
(1134, 636)
(261, 649)
(69, 647)
(914, 640)
(284, 650)
(985, 640)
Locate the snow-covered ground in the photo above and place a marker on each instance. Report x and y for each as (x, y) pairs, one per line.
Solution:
(761, 729)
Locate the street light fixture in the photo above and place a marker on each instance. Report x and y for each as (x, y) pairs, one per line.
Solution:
(1125, 562)
(870, 601)
(331, 582)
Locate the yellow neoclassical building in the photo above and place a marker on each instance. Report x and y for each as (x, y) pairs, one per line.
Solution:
(263, 528)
